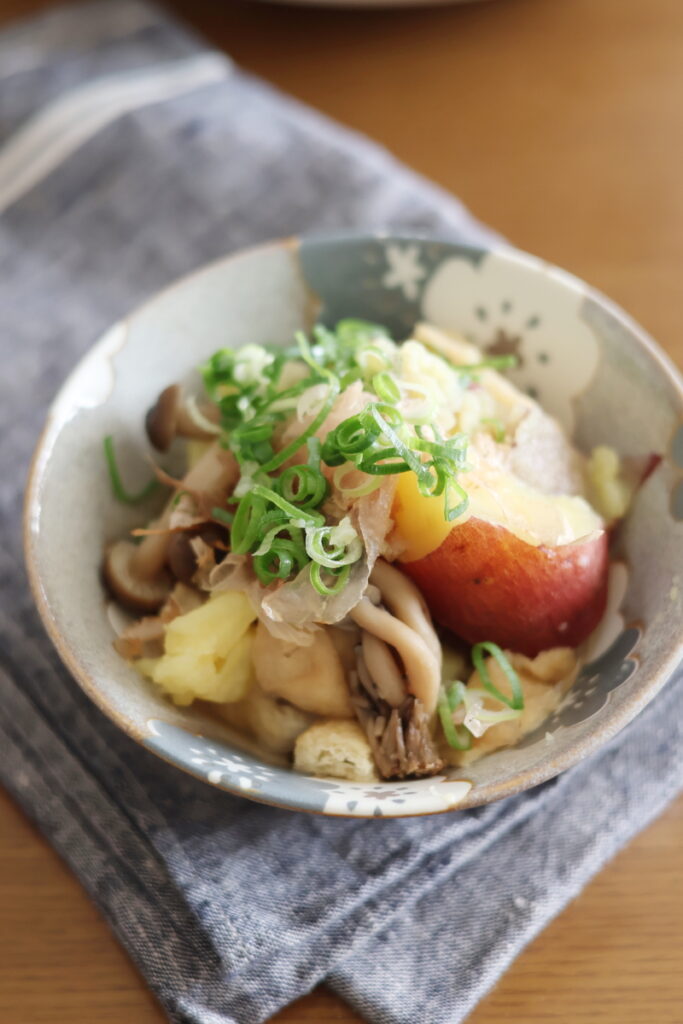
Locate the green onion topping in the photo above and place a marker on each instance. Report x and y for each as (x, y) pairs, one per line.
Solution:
(476, 717)
(278, 513)
(516, 702)
(223, 516)
(117, 486)
(497, 428)
(449, 698)
(492, 363)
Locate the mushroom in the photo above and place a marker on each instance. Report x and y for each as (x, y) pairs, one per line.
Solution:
(403, 598)
(169, 418)
(345, 640)
(396, 681)
(145, 637)
(136, 574)
(205, 563)
(422, 669)
(188, 551)
(181, 558)
(142, 639)
(214, 475)
(134, 577)
(382, 669)
(180, 601)
(399, 737)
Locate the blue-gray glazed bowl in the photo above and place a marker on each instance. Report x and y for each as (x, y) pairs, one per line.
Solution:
(586, 360)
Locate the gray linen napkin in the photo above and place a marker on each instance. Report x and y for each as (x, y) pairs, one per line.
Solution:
(154, 156)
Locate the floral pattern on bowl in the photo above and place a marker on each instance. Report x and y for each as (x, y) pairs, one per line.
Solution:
(240, 772)
(593, 687)
(587, 361)
(508, 314)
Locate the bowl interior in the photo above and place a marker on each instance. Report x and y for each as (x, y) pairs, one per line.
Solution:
(587, 362)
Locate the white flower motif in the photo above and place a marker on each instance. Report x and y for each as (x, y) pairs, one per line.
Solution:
(241, 773)
(500, 305)
(389, 800)
(404, 270)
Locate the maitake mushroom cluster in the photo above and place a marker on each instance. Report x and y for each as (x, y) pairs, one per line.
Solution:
(396, 681)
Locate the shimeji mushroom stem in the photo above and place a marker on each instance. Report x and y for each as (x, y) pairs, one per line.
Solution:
(187, 425)
(150, 555)
(215, 473)
(407, 628)
(422, 668)
(169, 418)
(403, 598)
(383, 669)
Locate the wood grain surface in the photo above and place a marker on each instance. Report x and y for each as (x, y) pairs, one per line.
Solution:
(561, 123)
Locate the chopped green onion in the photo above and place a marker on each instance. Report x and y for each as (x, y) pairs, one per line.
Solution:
(223, 516)
(247, 524)
(217, 371)
(448, 700)
(350, 439)
(328, 589)
(314, 445)
(454, 511)
(379, 414)
(492, 363)
(321, 335)
(479, 718)
(371, 482)
(117, 486)
(267, 542)
(516, 702)
(422, 407)
(456, 694)
(307, 518)
(384, 462)
(353, 333)
(278, 517)
(373, 359)
(282, 559)
(304, 486)
(332, 546)
(497, 428)
(386, 387)
(293, 448)
(253, 432)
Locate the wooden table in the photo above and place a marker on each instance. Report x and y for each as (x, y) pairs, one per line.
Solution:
(559, 122)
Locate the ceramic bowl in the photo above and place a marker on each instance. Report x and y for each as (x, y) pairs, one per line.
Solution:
(587, 362)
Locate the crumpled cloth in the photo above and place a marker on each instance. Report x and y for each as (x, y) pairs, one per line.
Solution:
(131, 154)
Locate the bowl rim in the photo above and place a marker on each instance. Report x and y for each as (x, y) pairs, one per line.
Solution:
(478, 795)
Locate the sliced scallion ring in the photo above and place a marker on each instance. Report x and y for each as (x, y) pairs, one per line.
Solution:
(516, 702)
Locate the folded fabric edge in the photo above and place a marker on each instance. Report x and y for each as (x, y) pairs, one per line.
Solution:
(386, 163)
(27, 43)
(350, 979)
(117, 830)
(133, 892)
